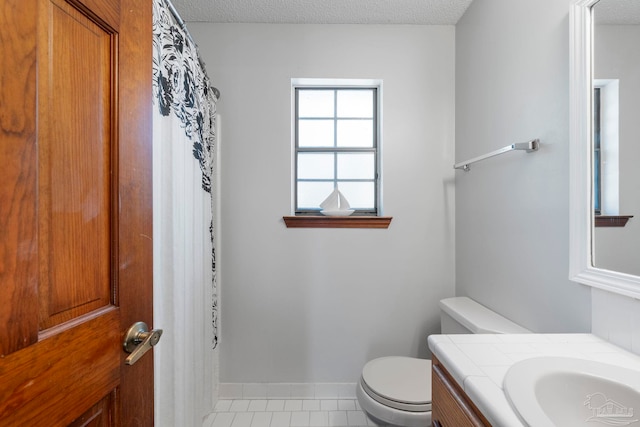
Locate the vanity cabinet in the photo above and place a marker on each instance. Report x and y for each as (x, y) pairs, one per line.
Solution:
(450, 406)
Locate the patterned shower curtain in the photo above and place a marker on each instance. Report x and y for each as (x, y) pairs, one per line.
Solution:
(185, 288)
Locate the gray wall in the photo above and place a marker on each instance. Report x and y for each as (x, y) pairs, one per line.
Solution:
(512, 211)
(313, 305)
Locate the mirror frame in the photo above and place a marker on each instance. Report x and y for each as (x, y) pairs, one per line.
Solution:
(581, 266)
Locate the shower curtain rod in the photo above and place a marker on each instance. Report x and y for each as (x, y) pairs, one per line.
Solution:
(529, 146)
(180, 21)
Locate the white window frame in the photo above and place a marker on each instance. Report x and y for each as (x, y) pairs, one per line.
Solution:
(307, 83)
(609, 145)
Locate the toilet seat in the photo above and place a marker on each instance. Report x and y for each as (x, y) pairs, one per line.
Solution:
(402, 383)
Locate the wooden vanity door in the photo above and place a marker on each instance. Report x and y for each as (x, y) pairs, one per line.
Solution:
(450, 406)
(75, 211)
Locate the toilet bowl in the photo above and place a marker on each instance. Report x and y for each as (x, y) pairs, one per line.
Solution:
(396, 390)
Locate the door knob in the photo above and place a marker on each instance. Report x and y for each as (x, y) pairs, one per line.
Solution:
(138, 340)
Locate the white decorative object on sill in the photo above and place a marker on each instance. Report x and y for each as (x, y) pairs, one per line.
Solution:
(336, 205)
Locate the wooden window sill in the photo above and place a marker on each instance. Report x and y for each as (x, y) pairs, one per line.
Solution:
(611, 220)
(321, 221)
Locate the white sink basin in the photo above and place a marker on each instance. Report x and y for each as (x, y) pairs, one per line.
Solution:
(567, 392)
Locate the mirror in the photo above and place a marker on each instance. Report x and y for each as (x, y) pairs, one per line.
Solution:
(616, 102)
(587, 243)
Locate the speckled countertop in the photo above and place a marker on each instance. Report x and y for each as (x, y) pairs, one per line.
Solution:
(479, 363)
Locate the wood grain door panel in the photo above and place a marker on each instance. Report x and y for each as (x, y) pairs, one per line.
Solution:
(82, 366)
(76, 161)
(18, 183)
(102, 414)
(75, 211)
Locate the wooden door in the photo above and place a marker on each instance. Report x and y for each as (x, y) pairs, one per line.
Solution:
(75, 211)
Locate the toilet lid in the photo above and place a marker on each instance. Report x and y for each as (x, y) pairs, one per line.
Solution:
(400, 382)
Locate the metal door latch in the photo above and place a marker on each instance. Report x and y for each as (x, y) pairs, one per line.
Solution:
(138, 340)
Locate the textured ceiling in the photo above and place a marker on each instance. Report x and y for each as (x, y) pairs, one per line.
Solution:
(617, 12)
(428, 12)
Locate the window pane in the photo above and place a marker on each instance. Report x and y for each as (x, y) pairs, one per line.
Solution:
(356, 166)
(355, 103)
(360, 195)
(355, 133)
(336, 144)
(315, 133)
(315, 103)
(315, 166)
(311, 194)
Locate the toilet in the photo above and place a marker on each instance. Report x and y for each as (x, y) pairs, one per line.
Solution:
(396, 390)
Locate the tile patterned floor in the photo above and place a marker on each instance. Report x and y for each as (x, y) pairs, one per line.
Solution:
(289, 413)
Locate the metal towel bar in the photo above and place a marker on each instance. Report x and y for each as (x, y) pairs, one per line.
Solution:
(529, 147)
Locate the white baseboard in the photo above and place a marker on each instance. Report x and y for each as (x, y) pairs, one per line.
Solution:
(287, 391)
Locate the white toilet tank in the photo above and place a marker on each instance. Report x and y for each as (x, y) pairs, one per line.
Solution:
(462, 315)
